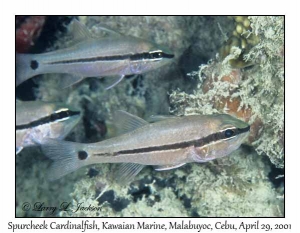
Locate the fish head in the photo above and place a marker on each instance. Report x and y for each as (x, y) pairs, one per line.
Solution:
(150, 57)
(160, 55)
(37, 120)
(67, 118)
(233, 133)
(226, 134)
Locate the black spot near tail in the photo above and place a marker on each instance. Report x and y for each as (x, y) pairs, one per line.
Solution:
(82, 155)
(34, 64)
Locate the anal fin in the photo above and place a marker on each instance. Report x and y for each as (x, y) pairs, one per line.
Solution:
(114, 82)
(168, 167)
(127, 172)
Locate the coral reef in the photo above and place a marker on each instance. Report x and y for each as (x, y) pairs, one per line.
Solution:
(238, 185)
(33, 187)
(254, 94)
(243, 38)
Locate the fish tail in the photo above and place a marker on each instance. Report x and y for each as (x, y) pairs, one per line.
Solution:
(67, 157)
(26, 67)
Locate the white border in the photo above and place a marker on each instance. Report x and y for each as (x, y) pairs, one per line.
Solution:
(153, 7)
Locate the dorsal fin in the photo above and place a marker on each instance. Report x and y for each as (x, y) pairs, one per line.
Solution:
(79, 32)
(126, 122)
(108, 30)
(156, 118)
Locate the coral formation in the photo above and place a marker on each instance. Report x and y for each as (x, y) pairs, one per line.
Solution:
(243, 38)
(255, 94)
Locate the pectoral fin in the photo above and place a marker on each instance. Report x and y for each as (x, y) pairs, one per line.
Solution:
(108, 30)
(168, 167)
(81, 33)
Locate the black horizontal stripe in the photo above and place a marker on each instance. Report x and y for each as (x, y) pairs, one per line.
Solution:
(133, 57)
(243, 130)
(197, 143)
(48, 119)
(150, 56)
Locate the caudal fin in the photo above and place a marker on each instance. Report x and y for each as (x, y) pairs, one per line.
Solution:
(26, 67)
(67, 157)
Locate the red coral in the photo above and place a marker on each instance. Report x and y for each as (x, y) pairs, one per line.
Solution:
(28, 31)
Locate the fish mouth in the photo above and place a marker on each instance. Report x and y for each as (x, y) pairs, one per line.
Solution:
(243, 130)
(168, 55)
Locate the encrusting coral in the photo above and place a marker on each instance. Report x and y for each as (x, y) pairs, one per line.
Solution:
(254, 94)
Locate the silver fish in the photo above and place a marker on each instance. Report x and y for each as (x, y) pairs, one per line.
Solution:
(166, 144)
(36, 120)
(91, 56)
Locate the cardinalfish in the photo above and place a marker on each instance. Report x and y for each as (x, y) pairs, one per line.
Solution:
(36, 120)
(168, 143)
(90, 56)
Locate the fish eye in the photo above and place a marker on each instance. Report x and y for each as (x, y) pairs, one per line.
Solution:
(229, 133)
(157, 55)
